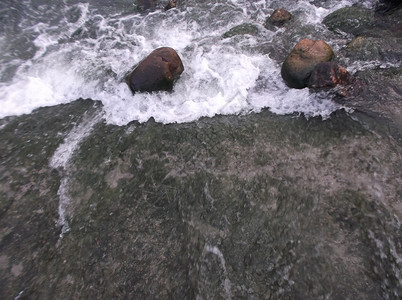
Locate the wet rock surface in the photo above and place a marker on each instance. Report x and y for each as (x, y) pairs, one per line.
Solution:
(302, 60)
(278, 18)
(328, 74)
(366, 48)
(28, 196)
(352, 20)
(145, 4)
(387, 104)
(384, 6)
(241, 29)
(157, 72)
(221, 207)
(250, 207)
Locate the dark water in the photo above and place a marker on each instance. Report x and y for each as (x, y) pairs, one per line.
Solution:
(231, 187)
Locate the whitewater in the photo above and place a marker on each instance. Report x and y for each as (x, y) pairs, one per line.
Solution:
(82, 51)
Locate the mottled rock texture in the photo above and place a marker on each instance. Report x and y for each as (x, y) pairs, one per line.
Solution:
(301, 61)
(328, 74)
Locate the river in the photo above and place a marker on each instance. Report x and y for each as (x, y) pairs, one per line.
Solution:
(232, 186)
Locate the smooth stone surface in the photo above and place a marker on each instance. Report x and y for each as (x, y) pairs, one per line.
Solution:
(157, 72)
(301, 61)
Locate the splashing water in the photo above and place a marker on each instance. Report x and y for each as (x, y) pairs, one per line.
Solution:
(84, 51)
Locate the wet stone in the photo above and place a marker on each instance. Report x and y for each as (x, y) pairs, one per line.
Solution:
(278, 18)
(301, 61)
(16, 270)
(145, 4)
(328, 74)
(241, 29)
(3, 262)
(385, 48)
(157, 72)
(222, 206)
(354, 20)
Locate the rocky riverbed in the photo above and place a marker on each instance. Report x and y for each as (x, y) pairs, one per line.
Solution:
(241, 206)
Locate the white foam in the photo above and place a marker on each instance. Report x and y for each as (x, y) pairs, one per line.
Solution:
(227, 283)
(64, 202)
(206, 88)
(219, 78)
(281, 99)
(64, 152)
(45, 84)
(61, 159)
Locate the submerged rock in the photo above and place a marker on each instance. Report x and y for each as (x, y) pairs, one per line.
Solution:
(352, 20)
(157, 72)
(145, 4)
(278, 17)
(363, 48)
(301, 61)
(379, 93)
(387, 48)
(241, 29)
(328, 74)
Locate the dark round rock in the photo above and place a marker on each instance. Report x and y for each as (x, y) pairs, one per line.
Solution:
(279, 17)
(301, 61)
(157, 72)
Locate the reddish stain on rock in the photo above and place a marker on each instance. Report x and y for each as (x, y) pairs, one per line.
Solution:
(328, 74)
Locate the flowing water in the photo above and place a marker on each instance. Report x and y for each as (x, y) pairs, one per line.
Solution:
(57, 53)
(232, 186)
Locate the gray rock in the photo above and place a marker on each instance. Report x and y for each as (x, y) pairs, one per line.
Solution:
(241, 29)
(352, 20)
(222, 207)
(386, 48)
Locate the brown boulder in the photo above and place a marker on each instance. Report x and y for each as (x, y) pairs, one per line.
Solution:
(301, 61)
(279, 17)
(328, 74)
(157, 72)
(171, 4)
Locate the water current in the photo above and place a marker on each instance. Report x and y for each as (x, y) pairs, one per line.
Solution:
(55, 52)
